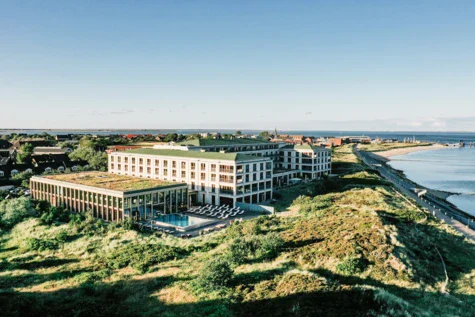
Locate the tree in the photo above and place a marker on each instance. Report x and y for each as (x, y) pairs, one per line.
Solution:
(170, 137)
(86, 142)
(23, 178)
(216, 273)
(26, 152)
(12, 211)
(96, 160)
(264, 135)
(238, 132)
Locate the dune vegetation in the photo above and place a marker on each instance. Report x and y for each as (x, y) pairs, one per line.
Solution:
(380, 147)
(348, 245)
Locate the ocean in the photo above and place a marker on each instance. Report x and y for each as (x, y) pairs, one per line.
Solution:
(448, 169)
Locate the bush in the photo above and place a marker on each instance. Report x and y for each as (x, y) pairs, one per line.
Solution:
(269, 246)
(53, 215)
(33, 244)
(215, 274)
(140, 256)
(246, 228)
(351, 265)
(263, 247)
(12, 211)
(86, 223)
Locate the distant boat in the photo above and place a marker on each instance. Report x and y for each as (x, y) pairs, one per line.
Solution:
(453, 144)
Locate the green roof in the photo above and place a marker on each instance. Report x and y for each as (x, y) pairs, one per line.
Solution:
(110, 181)
(238, 157)
(222, 142)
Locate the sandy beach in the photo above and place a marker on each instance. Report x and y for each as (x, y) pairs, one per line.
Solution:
(402, 151)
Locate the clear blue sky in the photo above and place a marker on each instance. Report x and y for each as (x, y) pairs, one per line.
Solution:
(404, 65)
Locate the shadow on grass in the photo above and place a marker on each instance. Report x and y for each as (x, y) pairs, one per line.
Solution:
(43, 264)
(31, 279)
(8, 249)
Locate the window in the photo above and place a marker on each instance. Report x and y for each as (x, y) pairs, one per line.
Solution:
(133, 160)
(140, 169)
(156, 170)
(112, 159)
(203, 176)
(173, 164)
(149, 170)
(183, 174)
(183, 165)
(174, 173)
(203, 166)
(193, 166)
(165, 163)
(140, 161)
(165, 172)
(213, 167)
(126, 160)
(112, 166)
(2, 174)
(118, 159)
(149, 162)
(157, 162)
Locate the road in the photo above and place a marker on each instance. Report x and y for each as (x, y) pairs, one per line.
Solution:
(458, 220)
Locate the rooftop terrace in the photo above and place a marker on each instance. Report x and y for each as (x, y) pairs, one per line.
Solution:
(110, 181)
(237, 157)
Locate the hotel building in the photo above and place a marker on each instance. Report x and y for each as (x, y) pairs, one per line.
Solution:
(168, 178)
(212, 177)
(110, 197)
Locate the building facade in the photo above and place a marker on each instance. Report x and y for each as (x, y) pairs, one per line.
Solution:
(213, 177)
(311, 162)
(110, 197)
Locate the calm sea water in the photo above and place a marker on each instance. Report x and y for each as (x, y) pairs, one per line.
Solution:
(440, 137)
(449, 169)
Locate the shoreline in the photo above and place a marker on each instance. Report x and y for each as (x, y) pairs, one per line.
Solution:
(406, 150)
(385, 156)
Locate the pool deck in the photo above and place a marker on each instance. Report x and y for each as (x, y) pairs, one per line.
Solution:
(214, 222)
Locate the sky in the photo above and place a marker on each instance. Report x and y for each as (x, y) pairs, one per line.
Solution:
(366, 65)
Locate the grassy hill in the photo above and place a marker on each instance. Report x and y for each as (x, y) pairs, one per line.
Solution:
(348, 246)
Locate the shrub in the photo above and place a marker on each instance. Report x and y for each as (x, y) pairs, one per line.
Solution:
(12, 211)
(215, 274)
(269, 246)
(86, 223)
(33, 244)
(351, 265)
(62, 237)
(140, 256)
(53, 215)
(257, 246)
(246, 228)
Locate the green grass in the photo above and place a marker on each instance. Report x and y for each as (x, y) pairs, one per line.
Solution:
(350, 247)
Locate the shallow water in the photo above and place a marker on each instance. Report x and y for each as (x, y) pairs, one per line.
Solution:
(449, 169)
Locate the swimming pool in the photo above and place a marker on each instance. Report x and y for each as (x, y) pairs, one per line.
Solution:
(182, 222)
